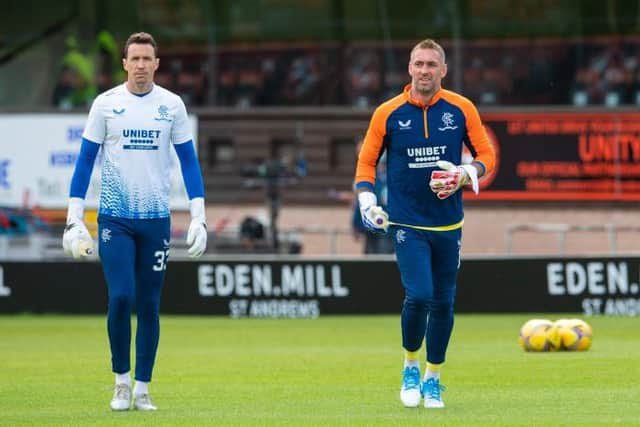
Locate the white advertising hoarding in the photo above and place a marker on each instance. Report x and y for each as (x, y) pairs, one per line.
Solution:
(37, 157)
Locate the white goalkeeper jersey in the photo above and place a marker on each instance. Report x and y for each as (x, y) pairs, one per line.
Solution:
(136, 133)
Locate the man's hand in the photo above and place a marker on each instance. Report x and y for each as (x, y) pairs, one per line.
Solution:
(76, 240)
(197, 234)
(451, 178)
(197, 238)
(373, 216)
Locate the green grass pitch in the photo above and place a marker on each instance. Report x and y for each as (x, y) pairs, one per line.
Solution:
(332, 371)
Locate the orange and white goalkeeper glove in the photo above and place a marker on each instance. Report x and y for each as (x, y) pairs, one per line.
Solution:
(451, 178)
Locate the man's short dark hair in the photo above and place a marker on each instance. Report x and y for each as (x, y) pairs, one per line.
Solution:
(140, 38)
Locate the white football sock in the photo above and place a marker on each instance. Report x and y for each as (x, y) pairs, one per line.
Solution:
(431, 374)
(411, 363)
(123, 379)
(141, 388)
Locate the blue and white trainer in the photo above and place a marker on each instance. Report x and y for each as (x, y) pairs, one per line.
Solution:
(431, 390)
(410, 391)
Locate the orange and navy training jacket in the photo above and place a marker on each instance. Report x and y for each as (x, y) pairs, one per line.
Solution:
(415, 136)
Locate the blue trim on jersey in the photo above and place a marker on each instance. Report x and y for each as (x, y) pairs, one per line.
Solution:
(484, 168)
(190, 169)
(140, 95)
(84, 167)
(364, 185)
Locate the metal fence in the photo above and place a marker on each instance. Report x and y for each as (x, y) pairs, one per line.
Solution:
(562, 230)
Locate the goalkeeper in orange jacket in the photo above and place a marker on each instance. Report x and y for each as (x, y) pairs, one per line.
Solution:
(423, 130)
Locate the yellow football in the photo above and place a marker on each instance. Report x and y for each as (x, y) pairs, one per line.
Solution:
(576, 335)
(534, 335)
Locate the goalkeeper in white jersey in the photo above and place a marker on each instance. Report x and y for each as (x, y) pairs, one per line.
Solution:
(135, 124)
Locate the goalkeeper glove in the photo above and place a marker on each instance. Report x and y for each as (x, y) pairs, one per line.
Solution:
(197, 234)
(76, 240)
(374, 217)
(449, 180)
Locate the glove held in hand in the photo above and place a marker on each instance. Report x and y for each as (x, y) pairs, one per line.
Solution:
(451, 178)
(76, 240)
(374, 217)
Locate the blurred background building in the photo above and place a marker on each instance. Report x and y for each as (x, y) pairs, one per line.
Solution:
(282, 91)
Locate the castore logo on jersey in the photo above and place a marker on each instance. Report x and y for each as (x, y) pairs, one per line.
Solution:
(404, 125)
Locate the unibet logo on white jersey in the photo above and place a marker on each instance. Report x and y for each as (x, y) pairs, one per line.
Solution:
(136, 133)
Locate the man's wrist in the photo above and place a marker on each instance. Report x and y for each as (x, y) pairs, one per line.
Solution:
(75, 211)
(366, 199)
(197, 209)
(471, 177)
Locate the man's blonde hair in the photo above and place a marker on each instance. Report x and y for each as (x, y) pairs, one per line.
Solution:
(430, 44)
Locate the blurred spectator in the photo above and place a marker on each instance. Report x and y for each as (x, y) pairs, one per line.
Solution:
(472, 79)
(85, 74)
(495, 72)
(109, 71)
(252, 234)
(249, 85)
(585, 86)
(394, 81)
(269, 93)
(63, 91)
(607, 79)
(615, 79)
(302, 80)
(190, 86)
(164, 79)
(364, 78)
(541, 87)
(227, 83)
(75, 87)
(494, 84)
